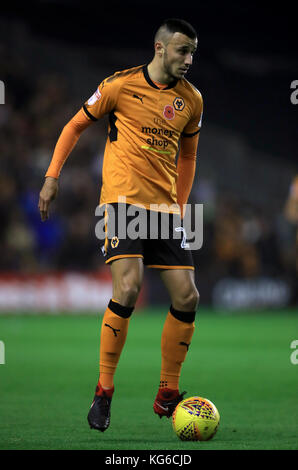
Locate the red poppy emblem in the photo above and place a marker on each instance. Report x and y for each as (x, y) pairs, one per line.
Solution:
(169, 112)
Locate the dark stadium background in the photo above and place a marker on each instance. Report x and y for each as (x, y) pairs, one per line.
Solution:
(54, 54)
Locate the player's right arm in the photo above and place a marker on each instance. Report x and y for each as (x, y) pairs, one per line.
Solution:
(66, 142)
(101, 102)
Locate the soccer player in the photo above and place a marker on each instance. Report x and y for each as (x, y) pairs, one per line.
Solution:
(152, 110)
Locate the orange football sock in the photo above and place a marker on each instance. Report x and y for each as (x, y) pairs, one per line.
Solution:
(175, 340)
(113, 335)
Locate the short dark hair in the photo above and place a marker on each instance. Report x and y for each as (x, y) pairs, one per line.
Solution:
(176, 25)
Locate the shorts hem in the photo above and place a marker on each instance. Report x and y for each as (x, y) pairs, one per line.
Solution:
(121, 257)
(163, 266)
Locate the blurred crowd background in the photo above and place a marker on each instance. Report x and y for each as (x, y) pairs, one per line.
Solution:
(247, 158)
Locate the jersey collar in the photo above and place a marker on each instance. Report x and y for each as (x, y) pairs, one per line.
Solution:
(151, 83)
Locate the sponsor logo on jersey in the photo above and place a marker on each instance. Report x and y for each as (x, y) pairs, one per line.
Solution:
(138, 97)
(159, 138)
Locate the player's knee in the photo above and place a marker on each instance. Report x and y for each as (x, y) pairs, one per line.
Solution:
(188, 300)
(129, 290)
(192, 300)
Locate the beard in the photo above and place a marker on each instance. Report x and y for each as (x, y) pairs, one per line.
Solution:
(168, 68)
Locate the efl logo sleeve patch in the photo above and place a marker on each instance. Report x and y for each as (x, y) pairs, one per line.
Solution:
(95, 97)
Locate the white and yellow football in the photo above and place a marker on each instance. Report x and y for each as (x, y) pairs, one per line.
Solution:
(195, 419)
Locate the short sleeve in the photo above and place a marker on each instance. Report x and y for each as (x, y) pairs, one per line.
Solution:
(104, 99)
(195, 123)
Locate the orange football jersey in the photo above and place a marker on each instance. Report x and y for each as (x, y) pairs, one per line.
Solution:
(145, 125)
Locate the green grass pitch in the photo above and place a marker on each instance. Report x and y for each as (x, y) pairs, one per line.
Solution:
(241, 362)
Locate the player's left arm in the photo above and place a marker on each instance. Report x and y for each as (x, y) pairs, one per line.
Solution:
(186, 168)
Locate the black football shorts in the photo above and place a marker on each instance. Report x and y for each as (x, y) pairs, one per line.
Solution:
(133, 232)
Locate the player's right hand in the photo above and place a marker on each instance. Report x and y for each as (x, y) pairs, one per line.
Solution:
(47, 194)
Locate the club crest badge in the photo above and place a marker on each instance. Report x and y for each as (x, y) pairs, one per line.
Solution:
(179, 103)
(114, 242)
